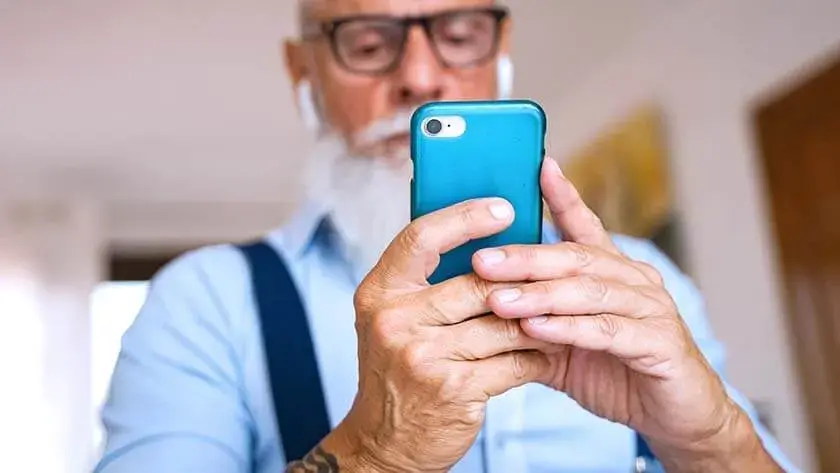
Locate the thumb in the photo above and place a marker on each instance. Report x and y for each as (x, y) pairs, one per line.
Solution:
(415, 253)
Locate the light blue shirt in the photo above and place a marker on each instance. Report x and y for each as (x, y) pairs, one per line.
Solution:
(190, 392)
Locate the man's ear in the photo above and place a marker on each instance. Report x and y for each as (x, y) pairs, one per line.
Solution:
(295, 61)
(506, 32)
(302, 86)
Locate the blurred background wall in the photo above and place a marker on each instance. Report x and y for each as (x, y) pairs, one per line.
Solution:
(709, 65)
(51, 258)
(136, 128)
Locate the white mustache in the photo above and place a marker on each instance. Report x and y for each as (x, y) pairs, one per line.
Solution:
(384, 128)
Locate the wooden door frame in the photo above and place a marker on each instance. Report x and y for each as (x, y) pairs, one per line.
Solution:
(776, 123)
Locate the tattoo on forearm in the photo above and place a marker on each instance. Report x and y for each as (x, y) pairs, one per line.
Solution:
(316, 461)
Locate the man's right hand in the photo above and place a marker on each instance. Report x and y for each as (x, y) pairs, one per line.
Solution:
(429, 356)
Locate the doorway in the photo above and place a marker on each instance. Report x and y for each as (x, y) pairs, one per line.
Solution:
(800, 146)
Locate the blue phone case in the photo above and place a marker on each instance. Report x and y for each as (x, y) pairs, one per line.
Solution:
(498, 155)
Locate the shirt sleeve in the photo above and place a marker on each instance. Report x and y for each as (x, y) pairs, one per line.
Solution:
(176, 401)
(692, 309)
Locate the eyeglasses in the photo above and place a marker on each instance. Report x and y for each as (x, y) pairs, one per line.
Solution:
(375, 44)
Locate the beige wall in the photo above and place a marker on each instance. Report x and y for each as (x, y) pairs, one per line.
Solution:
(706, 65)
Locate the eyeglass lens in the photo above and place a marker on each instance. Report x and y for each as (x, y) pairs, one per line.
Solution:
(375, 45)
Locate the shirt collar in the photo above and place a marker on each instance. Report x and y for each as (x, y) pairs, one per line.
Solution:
(309, 225)
(312, 226)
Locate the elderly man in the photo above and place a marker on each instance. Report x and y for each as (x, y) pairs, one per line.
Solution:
(549, 358)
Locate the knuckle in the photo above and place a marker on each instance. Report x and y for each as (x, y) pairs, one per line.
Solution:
(435, 309)
(593, 287)
(388, 316)
(650, 272)
(511, 330)
(581, 254)
(480, 288)
(468, 213)
(478, 329)
(649, 305)
(363, 300)
(413, 238)
(607, 325)
(671, 336)
(529, 260)
(678, 330)
(456, 381)
(518, 365)
(416, 357)
(383, 327)
(542, 288)
(660, 301)
(528, 253)
(468, 217)
(596, 221)
(474, 414)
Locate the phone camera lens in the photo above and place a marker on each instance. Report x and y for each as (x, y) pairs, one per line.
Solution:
(434, 126)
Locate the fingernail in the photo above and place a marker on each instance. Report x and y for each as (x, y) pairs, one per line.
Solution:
(501, 210)
(538, 320)
(555, 166)
(492, 256)
(508, 295)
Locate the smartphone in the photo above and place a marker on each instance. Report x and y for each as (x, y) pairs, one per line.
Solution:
(468, 150)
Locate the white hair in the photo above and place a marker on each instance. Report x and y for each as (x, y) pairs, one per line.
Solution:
(367, 197)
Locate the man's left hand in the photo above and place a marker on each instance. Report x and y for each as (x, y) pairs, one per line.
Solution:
(628, 356)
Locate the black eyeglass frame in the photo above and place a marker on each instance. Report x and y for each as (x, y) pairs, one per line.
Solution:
(330, 28)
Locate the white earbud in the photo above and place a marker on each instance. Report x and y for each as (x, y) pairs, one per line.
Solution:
(307, 107)
(504, 76)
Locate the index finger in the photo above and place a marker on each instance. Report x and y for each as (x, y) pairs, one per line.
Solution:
(574, 219)
(415, 253)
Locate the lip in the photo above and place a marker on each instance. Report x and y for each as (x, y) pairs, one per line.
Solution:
(400, 139)
(396, 149)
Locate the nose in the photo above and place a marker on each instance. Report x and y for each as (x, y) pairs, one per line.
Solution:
(420, 74)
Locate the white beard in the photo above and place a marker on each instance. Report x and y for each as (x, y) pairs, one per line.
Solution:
(367, 198)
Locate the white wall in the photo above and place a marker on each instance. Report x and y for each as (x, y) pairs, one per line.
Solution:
(706, 65)
(164, 102)
(138, 227)
(49, 264)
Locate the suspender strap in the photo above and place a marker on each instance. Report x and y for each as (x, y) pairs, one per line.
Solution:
(645, 460)
(295, 382)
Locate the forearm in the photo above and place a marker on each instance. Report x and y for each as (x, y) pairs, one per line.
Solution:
(736, 448)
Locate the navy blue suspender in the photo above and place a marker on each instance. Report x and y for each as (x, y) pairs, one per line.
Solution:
(299, 403)
(645, 460)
